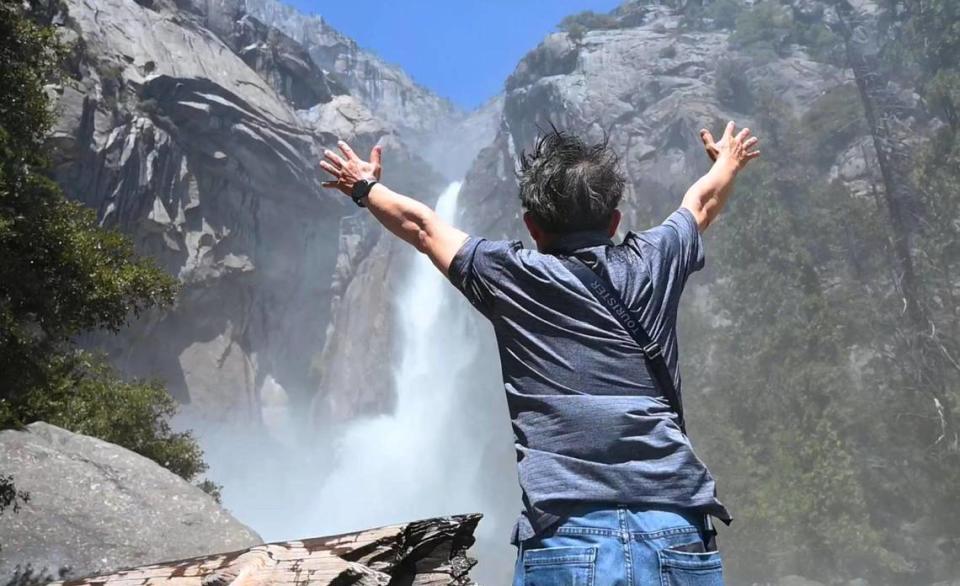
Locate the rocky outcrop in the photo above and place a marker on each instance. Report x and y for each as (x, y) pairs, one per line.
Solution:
(649, 86)
(175, 140)
(196, 129)
(95, 507)
(443, 134)
(428, 552)
(417, 113)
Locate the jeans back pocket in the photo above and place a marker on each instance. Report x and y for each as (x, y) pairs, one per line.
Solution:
(685, 568)
(559, 566)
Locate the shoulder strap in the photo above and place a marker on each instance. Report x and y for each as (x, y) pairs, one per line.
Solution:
(657, 366)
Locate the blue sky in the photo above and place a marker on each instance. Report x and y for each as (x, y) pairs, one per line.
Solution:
(461, 49)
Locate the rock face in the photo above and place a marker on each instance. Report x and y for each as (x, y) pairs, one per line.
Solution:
(649, 85)
(447, 137)
(417, 113)
(428, 552)
(196, 128)
(96, 507)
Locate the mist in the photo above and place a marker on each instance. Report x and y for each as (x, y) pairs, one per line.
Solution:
(445, 449)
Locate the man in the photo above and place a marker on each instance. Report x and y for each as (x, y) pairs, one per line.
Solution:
(612, 490)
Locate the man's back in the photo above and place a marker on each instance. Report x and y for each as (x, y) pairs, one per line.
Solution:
(602, 462)
(589, 424)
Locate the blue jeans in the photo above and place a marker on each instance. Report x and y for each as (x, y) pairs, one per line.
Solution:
(620, 545)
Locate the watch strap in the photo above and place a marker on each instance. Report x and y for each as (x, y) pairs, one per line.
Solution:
(361, 189)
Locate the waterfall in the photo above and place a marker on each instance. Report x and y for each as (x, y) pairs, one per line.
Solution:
(397, 467)
(446, 448)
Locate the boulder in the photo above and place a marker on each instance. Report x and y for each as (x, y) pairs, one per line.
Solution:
(95, 507)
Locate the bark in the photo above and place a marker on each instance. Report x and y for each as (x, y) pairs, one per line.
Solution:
(897, 191)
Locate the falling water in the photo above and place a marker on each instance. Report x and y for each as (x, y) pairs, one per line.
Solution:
(401, 466)
(446, 448)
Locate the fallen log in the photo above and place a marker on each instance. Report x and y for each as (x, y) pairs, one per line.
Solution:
(431, 552)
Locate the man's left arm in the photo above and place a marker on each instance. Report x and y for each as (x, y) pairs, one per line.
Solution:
(406, 217)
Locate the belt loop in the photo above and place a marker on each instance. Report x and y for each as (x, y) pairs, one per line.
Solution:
(624, 528)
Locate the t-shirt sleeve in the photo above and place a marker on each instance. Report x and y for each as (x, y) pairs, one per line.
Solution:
(478, 267)
(674, 250)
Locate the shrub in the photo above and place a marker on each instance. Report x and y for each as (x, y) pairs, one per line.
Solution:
(577, 25)
(832, 122)
(768, 26)
(668, 52)
(61, 274)
(733, 87)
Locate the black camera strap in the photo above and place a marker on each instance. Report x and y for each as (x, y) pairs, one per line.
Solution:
(652, 351)
(604, 292)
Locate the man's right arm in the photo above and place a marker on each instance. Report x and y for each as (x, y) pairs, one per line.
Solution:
(706, 197)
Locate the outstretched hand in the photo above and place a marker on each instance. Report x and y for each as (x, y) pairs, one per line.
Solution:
(350, 168)
(735, 148)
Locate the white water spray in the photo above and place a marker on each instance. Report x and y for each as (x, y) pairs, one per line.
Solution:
(404, 465)
(446, 449)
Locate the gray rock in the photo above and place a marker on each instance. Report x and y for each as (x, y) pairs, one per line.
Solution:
(388, 91)
(650, 87)
(96, 507)
(196, 128)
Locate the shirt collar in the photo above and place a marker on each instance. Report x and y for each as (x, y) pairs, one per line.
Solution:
(573, 241)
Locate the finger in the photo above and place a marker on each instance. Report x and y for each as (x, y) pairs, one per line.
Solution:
(347, 151)
(330, 169)
(376, 155)
(743, 134)
(751, 141)
(333, 158)
(753, 155)
(333, 184)
(728, 132)
(707, 138)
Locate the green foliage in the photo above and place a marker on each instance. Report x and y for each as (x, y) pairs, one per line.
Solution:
(820, 42)
(843, 414)
(768, 27)
(719, 14)
(62, 275)
(29, 57)
(943, 97)
(924, 33)
(791, 301)
(833, 121)
(733, 87)
(577, 25)
(724, 13)
(88, 397)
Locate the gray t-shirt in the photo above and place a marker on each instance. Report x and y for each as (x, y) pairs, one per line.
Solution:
(589, 424)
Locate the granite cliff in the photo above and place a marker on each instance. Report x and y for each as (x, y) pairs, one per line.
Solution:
(196, 127)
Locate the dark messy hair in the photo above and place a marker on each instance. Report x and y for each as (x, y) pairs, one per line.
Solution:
(568, 185)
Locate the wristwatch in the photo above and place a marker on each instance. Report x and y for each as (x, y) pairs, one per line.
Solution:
(361, 189)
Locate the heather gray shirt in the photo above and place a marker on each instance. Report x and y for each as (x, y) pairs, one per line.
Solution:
(589, 424)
